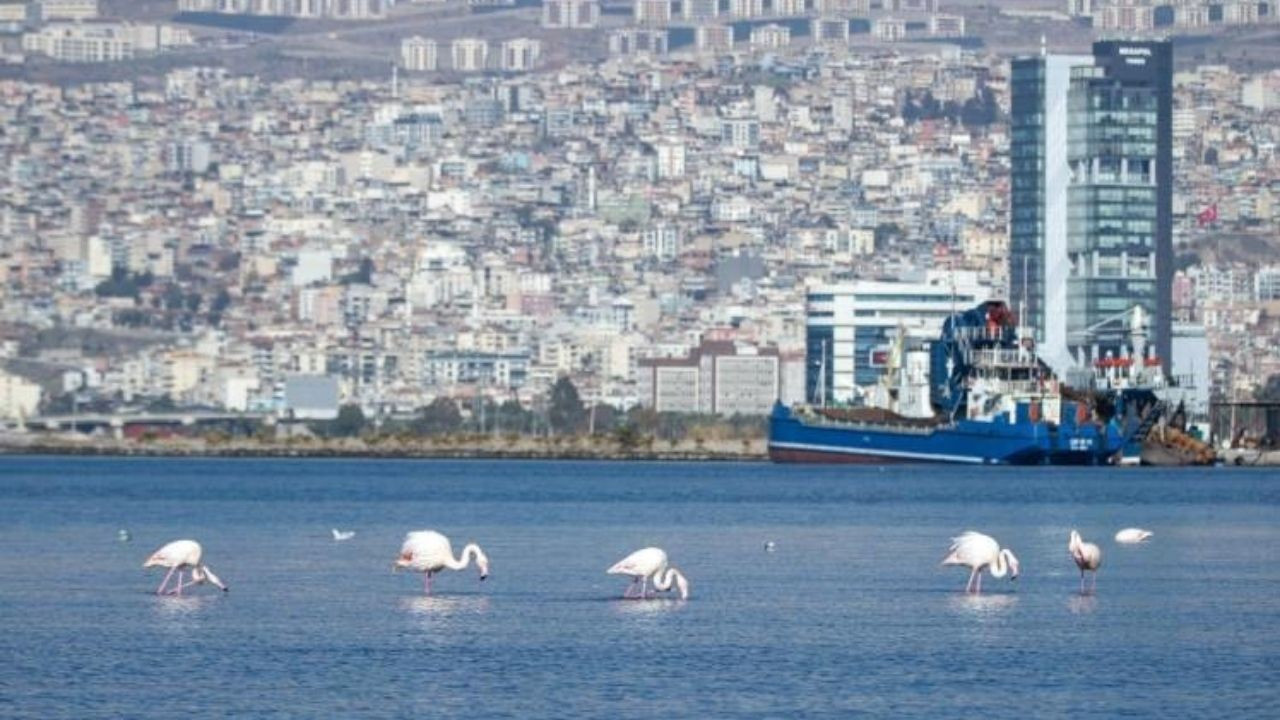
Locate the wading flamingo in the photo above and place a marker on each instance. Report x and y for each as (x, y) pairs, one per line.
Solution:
(1130, 536)
(1087, 556)
(429, 552)
(179, 555)
(650, 564)
(977, 551)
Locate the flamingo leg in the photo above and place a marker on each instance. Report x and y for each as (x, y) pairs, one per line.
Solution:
(426, 582)
(182, 584)
(635, 583)
(160, 590)
(968, 587)
(1081, 582)
(644, 588)
(978, 589)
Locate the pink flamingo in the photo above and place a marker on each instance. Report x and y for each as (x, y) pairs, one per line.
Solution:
(177, 556)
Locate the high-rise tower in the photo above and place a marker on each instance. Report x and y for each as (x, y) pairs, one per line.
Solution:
(1092, 191)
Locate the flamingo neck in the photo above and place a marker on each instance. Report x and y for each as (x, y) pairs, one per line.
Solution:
(1000, 567)
(664, 579)
(468, 554)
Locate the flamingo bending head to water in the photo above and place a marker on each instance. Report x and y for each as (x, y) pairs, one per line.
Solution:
(977, 551)
(1087, 556)
(650, 564)
(429, 552)
(178, 556)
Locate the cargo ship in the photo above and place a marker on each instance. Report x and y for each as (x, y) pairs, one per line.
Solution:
(979, 395)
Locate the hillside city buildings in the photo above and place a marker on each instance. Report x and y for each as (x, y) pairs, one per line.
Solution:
(667, 226)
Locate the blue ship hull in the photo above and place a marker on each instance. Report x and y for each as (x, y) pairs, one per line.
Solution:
(998, 442)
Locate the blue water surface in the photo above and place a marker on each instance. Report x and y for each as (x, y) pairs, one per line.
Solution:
(851, 616)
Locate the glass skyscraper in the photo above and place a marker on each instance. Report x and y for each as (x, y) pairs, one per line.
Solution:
(1091, 180)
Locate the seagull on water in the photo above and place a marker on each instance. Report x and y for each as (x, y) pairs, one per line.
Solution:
(1132, 536)
(340, 535)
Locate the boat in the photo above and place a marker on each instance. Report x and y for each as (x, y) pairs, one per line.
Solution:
(977, 395)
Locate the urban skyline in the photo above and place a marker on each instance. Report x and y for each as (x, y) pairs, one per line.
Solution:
(485, 233)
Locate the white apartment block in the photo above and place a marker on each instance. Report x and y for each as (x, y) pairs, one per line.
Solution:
(419, 54)
(102, 42)
(671, 159)
(714, 38)
(67, 9)
(327, 9)
(788, 8)
(520, 54)
(846, 8)
(638, 41)
(1125, 17)
(829, 30)
(770, 37)
(570, 14)
(746, 8)
(911, 6)
(700, 10)
(662, 242)
(470, 54)
(889, 29)
(652, 13)
(1080, 8)
(719, 377)
(946, 25)
(19, 397)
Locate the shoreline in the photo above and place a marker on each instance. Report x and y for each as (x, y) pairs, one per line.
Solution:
(352, 452)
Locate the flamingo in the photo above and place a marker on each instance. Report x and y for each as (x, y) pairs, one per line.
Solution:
(178, 555)
(650, 563)
(429, 552)
(1132, 536)
(1087, 556)
(977, 551)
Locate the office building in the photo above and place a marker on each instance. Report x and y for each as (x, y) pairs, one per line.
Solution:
(850, 328)
(1091, 182)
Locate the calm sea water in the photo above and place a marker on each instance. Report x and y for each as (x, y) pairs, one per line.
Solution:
(851, 616)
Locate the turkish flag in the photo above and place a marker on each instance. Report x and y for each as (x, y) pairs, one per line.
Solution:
(1208, 215)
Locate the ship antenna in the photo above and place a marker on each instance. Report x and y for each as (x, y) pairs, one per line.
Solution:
(822, 376)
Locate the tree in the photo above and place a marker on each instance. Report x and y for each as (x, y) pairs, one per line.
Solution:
(566, 414)
(606, 418)
(349, 423)
(439, 418)
(122, 283)
(1269, 392)
(513, 418)
(885, 233)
